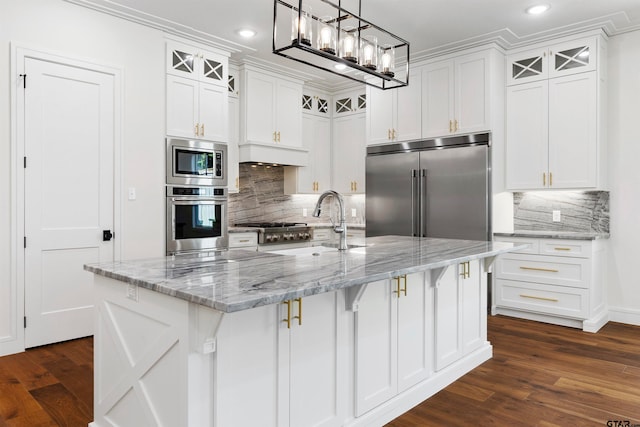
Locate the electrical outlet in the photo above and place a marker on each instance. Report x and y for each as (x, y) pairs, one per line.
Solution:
(304, 212)
(132, 193)
(353, 213)
(556, 216)
(132, 292)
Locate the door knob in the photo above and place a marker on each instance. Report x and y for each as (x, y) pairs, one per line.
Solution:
(106, 235)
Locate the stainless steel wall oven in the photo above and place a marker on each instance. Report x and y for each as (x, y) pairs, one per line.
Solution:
(196, 219)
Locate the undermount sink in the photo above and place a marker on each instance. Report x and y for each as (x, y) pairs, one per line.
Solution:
(314, 250)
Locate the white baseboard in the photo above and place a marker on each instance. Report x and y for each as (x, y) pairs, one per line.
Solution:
(624, 315)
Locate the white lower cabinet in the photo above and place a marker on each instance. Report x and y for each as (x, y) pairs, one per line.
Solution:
(393, 336)
(289, 360)
(553, 281)
(460, 320)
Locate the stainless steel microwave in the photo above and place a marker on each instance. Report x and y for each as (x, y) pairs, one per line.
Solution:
(191, 162)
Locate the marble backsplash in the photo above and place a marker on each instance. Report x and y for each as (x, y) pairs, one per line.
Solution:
(583, 211)
(262, 199)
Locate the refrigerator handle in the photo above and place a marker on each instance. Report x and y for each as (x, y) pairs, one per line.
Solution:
(415, 214)
(423, 203)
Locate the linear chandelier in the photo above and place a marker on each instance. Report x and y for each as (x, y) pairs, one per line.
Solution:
(333, 39)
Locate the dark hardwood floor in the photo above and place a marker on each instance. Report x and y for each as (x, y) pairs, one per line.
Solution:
(540, 375)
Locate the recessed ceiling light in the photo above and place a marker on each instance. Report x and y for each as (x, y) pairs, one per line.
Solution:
(538, 9)
(340, 67)
(246, 33)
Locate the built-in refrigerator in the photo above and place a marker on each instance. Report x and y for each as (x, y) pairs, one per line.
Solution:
(430, 188)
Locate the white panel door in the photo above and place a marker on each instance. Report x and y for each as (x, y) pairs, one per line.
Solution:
(69, 185)
(437, 99)
(260, 125)
(472, 97)
(573, 131)
(214, 113)
(288, 113)
(527, 135)
(182, 107)
(379, 115)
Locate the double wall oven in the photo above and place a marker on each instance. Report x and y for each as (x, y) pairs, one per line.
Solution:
(196, 196)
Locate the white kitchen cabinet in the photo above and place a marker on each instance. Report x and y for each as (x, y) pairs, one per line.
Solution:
(196, 63)
(460, 321)
(271, 107)
(392, 340)
(349, 102)
(196, 110)
(555, 135)
(316, 103)
(554, 281)
(455, 95)
(548, 61)
(316, 177)
(233, 166)
(295, 370)
(244, 240)
(348, 153)
(395, 114)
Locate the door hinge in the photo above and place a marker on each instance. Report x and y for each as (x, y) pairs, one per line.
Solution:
(25, 162)
(24, 80)
(25, 321)
(25, 242)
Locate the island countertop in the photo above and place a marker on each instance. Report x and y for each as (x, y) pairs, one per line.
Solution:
(237, 280)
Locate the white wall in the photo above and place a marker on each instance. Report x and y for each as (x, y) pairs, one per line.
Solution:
(624, 177)
(73, 31)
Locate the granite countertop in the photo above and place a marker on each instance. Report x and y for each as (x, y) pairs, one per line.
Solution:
(237, 280)
(545, 234)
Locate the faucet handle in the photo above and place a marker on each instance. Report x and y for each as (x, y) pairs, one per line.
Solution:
(338, 229)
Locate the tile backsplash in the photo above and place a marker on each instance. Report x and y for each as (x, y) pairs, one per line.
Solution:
(262, 198)
(583, 211)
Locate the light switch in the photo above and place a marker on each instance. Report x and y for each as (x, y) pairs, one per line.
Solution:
(353, 213)
(556, 216)
(132, 193)
(304, 212)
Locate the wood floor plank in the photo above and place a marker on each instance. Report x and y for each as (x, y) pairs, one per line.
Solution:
(30, 375)
(17, 408)
(62, 406)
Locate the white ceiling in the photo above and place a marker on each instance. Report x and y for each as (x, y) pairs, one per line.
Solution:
(431, 26)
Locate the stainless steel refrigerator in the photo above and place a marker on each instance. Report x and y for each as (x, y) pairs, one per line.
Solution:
(430, 188)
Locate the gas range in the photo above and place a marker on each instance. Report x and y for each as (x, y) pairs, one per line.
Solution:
(280, 232)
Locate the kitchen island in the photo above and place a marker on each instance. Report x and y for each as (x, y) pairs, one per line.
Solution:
(240, 338)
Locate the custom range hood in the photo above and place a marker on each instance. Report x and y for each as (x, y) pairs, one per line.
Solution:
(269, 153)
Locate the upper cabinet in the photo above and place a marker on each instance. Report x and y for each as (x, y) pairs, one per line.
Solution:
(456, 95)
(271, 106)
(348, 154)
(196, 93)
(555, 135)
(351, 102)
(316, 103)
(395, 114)
(552, 61)
(198, 64)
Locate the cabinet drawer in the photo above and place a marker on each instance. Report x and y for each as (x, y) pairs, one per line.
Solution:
(570, 248)
(322, 234)
(547, 299)
(562, 271)
(534, 244)
(242, 240)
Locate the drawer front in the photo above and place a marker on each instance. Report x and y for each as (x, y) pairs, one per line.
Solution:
(561, 271)
(356, 233)
(534, 244)
(242, 240)
(540, 298)
(569, 248)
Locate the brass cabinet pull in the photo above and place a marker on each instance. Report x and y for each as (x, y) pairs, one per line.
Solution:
(389, 134)
(540, 298)
(549, 270)
(288, 319)
(202, 129)
(455, 125)
(355, 185)
(278, 136)
(466, 270)
(550, 179)
(238, 182)
(273, 136)
(544, 179)
(243, 240)
(393, 134)
(562, 249)
(397, 291)
(450, 126)
(299, 316)
(197, 131)
(404, 277)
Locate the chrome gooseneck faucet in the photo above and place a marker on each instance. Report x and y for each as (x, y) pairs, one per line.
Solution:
(341, 228)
